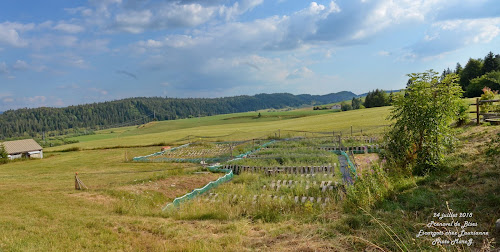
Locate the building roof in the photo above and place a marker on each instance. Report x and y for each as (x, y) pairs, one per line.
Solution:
(21, 146)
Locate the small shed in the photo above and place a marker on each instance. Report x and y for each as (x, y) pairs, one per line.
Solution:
(23, 148)
(336, 106)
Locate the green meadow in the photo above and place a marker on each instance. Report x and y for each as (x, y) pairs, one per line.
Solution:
(241, 126)
(121, 210)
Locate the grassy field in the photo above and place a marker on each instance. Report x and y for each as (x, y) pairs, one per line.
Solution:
(41, 210)
(240, 126)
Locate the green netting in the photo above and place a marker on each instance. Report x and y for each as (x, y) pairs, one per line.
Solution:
(214, 168)
(350, 165)
(145, 158)
(229, 175)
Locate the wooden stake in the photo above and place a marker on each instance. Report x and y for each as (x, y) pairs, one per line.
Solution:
(77, 187)
(477, 111)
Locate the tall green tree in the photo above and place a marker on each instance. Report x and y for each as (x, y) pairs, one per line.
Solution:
(471, 70)
(356, 103)
(458, 68)
(376, 98)
(421, 131)
(490, 63)
(445, 72)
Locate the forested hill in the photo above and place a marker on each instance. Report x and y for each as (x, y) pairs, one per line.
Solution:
(31, 122)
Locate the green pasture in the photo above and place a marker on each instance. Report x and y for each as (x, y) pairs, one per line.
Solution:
(241, 126)
(165, 126)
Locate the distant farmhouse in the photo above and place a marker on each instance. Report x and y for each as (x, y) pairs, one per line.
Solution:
(336, 106)
(23, 148)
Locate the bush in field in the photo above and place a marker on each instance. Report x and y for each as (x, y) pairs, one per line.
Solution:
(3, 153)
(490, 80)
(488, 94)
(463, 112)
(421, 133)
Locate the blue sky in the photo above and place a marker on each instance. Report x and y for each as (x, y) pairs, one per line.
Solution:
(59, 52)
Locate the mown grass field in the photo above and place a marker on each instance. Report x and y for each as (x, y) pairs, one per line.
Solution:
(241, 126)
(121, 211)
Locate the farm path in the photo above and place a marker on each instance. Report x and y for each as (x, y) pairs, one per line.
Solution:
(346, 175)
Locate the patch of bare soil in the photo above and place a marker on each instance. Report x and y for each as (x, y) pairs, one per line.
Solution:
(364, 161)
(175, 186)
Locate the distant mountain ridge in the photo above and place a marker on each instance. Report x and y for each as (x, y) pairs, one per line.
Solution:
(132, 111)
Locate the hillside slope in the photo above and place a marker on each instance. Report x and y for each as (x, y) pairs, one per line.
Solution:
(133, 111)
(236, 127)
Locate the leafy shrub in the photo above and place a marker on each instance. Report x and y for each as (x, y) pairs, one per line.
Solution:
(488, 94)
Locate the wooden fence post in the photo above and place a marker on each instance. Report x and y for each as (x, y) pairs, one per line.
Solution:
(77, 187)
(477, 110)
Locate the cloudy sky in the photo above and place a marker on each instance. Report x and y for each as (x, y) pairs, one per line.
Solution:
(59, 52)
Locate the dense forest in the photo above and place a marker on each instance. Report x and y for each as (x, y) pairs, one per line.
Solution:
(32, 122)
(477, 74)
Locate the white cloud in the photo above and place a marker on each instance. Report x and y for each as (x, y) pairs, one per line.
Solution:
(45, 25)
(135, 17)
(20, 65)
(76, 61)
(98, 90)
(69, 28)
(40, 99)
(134, 21)
(69, 86)
(238, 8)
(300, 73)
(474, 30)
(3, 68)
(8, 99)
(60, 60)
(9, 33)
(272, 33)
(383, 53)
(5, 94)
(184, 15)
(50, 40)
(446, 36)
(97, 45)
(159, 17)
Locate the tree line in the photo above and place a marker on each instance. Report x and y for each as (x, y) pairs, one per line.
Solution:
(477, 74)
(375, 98)
(133, 111)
